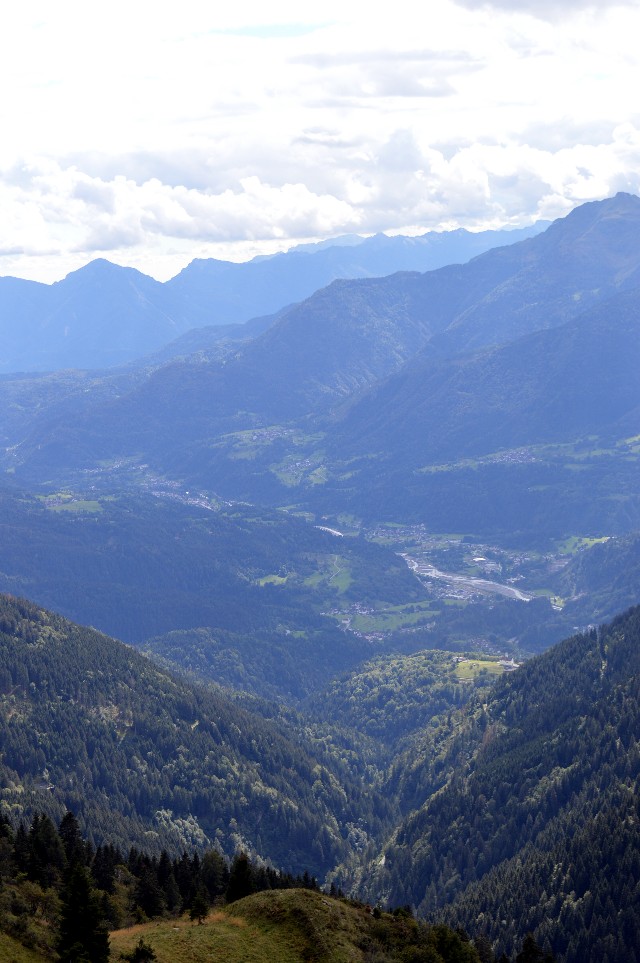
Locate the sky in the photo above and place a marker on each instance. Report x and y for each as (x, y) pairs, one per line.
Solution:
(155, 133)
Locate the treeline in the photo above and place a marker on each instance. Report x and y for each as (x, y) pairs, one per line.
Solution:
(59, 893)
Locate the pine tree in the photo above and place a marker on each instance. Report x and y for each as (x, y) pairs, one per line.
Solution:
(484, 949)
(241, 881)
(74, 846)
(531, 952)
(83, 935)
(46, 857)
(199, 906)
(215, 874)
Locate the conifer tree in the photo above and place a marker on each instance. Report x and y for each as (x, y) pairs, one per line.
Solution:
(74, 846)
(142, 953)
(241, 881)
(46, 859)
(83, 935)
(199, 906)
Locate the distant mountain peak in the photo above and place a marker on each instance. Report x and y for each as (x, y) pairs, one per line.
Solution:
(99, 268)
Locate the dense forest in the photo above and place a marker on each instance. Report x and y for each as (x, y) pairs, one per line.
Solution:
(529, 816)
(144, 758)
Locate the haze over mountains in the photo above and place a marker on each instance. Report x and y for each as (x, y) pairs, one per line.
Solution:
(352, 402)
(564, 372)
(346, 516)
(103, 315)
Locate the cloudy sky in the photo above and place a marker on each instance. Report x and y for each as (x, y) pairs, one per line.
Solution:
(153, 133)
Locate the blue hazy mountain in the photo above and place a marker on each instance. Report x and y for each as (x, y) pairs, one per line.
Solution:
(534, 435)
(266, 284)
(352, 335)
(98, 316)
(103, 315)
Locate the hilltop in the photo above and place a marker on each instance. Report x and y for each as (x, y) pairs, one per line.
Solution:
(293, 925)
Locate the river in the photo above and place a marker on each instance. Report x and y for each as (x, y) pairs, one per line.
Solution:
(466, 581)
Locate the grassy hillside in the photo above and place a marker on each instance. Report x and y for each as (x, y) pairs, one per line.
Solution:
(13, 952)
(293, 926)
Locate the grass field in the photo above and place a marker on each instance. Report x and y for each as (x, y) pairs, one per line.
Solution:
(392, 618)
(573, 544)
(222, 936)
(471, 669)
(13, 952)
(272, 580)
(278, 926)
(65, 502)
(333, 571)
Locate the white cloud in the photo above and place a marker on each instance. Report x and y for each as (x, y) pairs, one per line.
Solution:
(546, 9)
(165, 132)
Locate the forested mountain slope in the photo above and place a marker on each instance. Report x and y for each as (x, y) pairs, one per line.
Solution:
(546, 388)
(529, 798)
(507, 439)
(578, 261)
(145, 759)
(602, 581)
(533, 821)
(341, 340)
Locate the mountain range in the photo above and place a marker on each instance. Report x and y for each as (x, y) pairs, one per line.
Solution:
(332, 535)
(348, 410)
(103, 315)
(372, 386)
